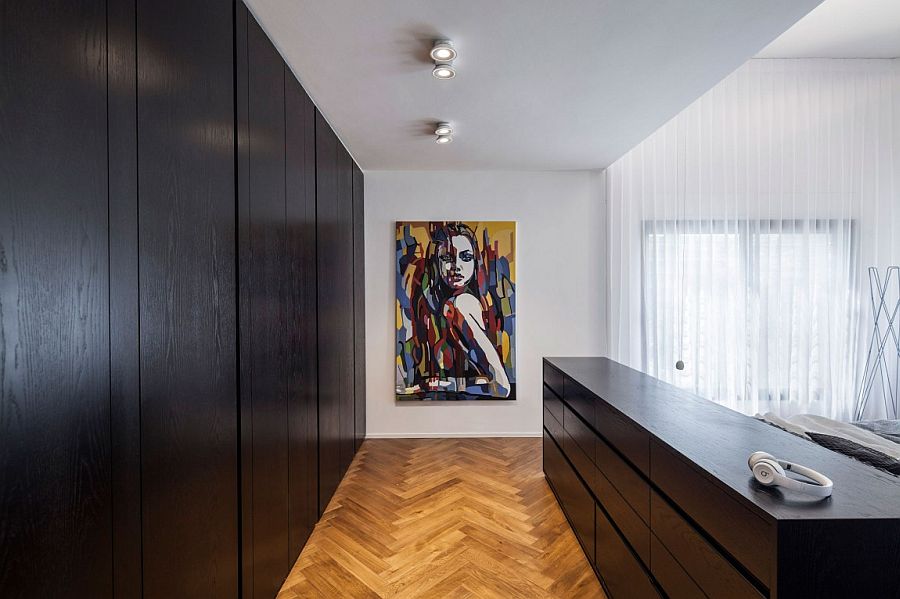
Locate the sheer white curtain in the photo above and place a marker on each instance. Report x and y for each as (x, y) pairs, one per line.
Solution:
(740, 231)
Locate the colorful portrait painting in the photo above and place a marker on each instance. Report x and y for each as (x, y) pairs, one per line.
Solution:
(456, 310)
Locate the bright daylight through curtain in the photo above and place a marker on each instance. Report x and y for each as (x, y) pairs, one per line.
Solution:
(740, 233)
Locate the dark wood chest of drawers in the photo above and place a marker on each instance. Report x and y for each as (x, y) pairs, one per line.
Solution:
(654, 482)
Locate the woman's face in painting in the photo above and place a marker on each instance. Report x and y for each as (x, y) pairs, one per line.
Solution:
(457, 260)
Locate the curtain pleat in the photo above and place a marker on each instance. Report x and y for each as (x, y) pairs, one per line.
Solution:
(740, 234)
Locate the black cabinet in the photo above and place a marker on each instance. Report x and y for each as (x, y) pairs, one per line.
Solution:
(124, 309)
(265, 290)
(287, 335)
(573, 496)
(302, 382)
(55, 492)
(623, 575)
(359, 304)
(187, 296)
(678, 510)
(181, 303)
(334, 235)
(342, 306)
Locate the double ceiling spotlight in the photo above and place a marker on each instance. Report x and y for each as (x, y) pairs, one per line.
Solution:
(443, 54)
(444, 133)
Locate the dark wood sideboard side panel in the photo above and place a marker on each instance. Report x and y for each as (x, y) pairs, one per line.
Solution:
(815, 557)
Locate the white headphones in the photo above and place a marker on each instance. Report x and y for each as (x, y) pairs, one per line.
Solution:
(769, 471)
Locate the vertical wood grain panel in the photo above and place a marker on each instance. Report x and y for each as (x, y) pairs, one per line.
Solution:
(359, 304)
(300, 178)
(344, 305)
(55, 504)
(186, 192)
(242, 123)
(123, 296)
(330, 318)
(267, 327)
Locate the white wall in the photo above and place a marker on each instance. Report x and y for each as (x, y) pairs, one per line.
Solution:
(560, 286)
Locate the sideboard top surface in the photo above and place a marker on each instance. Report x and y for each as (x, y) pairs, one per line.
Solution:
(718, 441)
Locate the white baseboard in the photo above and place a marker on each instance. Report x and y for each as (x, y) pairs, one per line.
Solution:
(447, 435)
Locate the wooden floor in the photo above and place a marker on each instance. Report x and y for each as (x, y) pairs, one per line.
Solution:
(443, 518)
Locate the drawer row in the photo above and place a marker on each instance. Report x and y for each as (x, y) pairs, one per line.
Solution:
(585, 468)
(742, 534)
(622, 573)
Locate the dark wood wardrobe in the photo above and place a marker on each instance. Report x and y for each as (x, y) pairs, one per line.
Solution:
(181, 303)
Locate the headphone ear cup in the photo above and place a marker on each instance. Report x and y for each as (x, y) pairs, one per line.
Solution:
(767, 472)
(757, 456)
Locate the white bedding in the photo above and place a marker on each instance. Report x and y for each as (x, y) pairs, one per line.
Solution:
(803, 423)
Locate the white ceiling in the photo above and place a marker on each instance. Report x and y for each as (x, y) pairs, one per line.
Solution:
(842, 29)
(541, 85)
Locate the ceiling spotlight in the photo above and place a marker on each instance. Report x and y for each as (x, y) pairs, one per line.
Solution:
(444, 71)
(443, 139)
(443, 51)
(443, 129)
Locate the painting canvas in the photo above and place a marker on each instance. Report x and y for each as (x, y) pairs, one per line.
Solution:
(456, 310)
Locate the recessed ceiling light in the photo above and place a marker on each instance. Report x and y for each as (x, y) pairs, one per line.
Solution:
(444, 71)
(443, 129)
(443, 139)
(443, 51)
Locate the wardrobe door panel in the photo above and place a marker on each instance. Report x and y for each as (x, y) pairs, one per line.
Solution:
(345, 275)
(242, 86)
(359, 305)
(186, 216)
(300, 179)
(55, 505)
(330, 318)
(268, 328)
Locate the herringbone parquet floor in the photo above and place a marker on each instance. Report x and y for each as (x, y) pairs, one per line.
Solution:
(443, 518)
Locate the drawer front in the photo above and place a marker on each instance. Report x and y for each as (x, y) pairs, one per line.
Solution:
(553, 378)
(579, 432)
(574, 498)
(739, 531)
(628, 438)
(701, 561)
(553, 425)
(635, 530)
(583, 465)
(580, 399)
(624, 478)
(669, 574)
(553, 403)
(619, 568)
(552, 461)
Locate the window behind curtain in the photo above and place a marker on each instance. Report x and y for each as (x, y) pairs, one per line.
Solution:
(760, 311)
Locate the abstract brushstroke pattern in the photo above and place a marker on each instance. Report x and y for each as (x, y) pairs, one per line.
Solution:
(456, 310)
